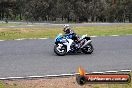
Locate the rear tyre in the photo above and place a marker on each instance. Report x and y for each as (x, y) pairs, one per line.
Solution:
(60, 51)
(88, 49)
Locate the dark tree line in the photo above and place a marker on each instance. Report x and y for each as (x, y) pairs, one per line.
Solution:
(67, 10)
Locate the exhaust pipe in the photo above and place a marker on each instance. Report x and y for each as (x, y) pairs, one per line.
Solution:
(89, 41)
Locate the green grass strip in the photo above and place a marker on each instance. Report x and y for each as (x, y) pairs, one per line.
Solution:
(51, 32)
(1, 85)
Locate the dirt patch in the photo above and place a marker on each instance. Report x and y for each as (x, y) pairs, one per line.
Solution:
(2, 29)
(45, 83)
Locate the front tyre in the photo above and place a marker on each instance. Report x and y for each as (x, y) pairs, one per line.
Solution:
(60, 51)
(88, 49)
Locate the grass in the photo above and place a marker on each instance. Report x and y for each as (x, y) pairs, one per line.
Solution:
(113, 86)
(105, 30)
(10, 24)
(51, 32)
(10, 34)
(1, 85)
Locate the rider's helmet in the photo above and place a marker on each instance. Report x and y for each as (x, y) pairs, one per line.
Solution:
(66, 29)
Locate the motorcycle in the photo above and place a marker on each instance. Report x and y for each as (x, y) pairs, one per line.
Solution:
(64, 45)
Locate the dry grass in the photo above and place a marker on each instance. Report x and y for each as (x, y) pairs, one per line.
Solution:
(51, 32)
(45, 83)
(58, 83)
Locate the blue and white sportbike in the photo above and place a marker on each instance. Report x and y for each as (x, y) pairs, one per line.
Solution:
(64, 45)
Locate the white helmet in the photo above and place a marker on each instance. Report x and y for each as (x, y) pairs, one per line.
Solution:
(66, 26)
(66, 29)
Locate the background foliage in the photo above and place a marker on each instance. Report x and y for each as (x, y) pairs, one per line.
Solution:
(67, 10)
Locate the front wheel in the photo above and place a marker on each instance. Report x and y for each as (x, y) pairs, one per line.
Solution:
(88, 49)
(60, 50)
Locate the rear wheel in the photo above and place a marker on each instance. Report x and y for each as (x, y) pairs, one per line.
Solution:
(60, 51)
(88, 49)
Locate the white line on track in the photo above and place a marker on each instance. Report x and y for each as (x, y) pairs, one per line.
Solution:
(15, 77)
(3, 78)
(98, 72)
(42, 38)
(52, 75)
(36, 76)
(125, 70)
(30, 25)
(66, 74)
(31, 38)
(93, 36)
(61, 75)
(27, 39)
(47, 38)
(111, 71)
(114, 35)
(19, 39)
(12, 26)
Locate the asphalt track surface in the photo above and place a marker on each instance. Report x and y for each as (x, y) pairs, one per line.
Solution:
(36, 57)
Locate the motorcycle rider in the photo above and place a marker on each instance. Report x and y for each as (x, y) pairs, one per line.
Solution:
(72, 35)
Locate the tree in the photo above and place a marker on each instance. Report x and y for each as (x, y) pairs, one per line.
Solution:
(36, 9)
(68, 10)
